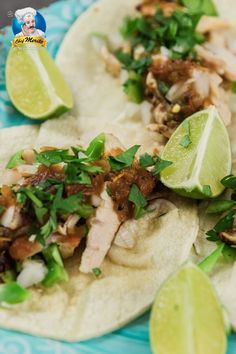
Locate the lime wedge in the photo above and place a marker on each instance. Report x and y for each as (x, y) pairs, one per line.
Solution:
(187, 317)
(201, 156)
(35, 84)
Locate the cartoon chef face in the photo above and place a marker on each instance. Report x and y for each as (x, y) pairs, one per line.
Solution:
(26, 17)
(30, 25)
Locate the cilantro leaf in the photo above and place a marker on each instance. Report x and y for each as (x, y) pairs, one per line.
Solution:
(40, 213)
(220, 205)
(226, 222)
(233, 87)
(163, 87)
(186, 139)
(146, 160)
(206, 189)
(2, 208)
(52, 157)
(96, 148)
(140, 202)
(160, 165)
(123, 160)
(205, 6)
(210, 261)
(229, 182)
(84, 178)
(97, 272)
(71, 204)
(29, 192)
(134, 90)
(15, 160)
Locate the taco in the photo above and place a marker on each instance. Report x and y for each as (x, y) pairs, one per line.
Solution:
(132, 63)
(87, 232)
(149, 64)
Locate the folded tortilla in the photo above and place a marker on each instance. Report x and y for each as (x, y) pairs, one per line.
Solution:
(95, 90)
(85, 307)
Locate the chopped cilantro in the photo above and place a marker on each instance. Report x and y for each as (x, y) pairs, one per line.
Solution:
(206, 189)
(52, 253)
(52, 157)
(13, 293)
(97, 272)
(229, 182)
(2, 208)
(133, 87)
(220, 205)
(160, 165)
(96, 148)
(140, 202)
(15, 160)
(163, 87)
(233, 87)
(146, 160)
(32, 196)
(210, 261)
(205, 6)
(186, 139)
(123, 160)
(84, 178)
(56, 273)
(40, 213)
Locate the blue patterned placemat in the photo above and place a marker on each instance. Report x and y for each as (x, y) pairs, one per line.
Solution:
(134, 338)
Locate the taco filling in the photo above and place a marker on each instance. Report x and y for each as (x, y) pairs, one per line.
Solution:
(169, 74)
(55, 202)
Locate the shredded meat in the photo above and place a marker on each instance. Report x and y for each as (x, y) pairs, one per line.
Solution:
(88, 189)
(120, 185)
(43, 173)
(172, 71)
(23, 248)
(149, 7)
(183, 98)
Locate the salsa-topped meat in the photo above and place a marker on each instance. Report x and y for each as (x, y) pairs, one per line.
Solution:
(120, 184)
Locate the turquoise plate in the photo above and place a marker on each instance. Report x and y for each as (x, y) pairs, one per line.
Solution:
(133, 339)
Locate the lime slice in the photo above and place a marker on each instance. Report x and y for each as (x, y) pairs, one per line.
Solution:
(35, 84)
(187, 317)
(201, 156)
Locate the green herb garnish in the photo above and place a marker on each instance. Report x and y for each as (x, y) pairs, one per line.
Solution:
(219, 206)
(186, 139)
(140, 202)
(146, 160)
(15, 160)
(95, 149)
(160, 165)
(229, 181)
(13, 293)
(97, 272)
(206, 190)
(210, 261)
(123, 160)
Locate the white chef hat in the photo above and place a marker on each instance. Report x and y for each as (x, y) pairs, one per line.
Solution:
(25, 14)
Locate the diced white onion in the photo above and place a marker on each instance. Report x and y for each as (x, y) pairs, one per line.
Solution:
(33, 272)
(164, 51)
(11, 218)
